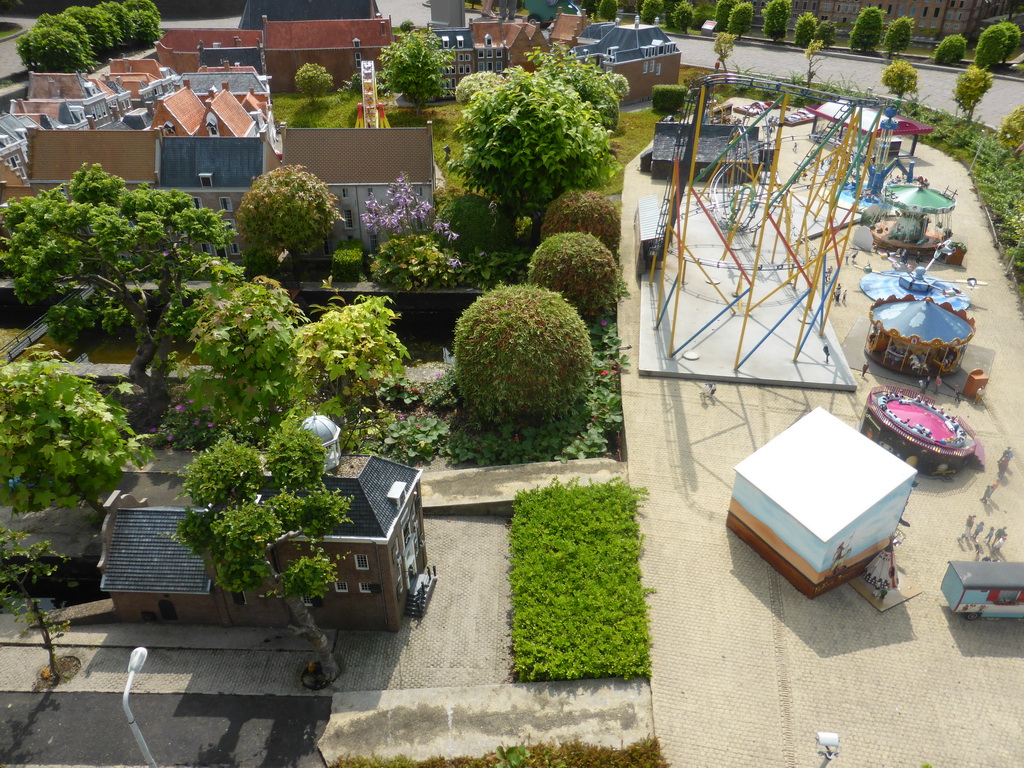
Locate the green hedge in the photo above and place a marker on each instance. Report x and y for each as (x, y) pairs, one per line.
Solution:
(668, 98)
(347, 262)
(579, 608)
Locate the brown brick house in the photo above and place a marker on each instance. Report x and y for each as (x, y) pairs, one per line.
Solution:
(186, 50)
(381, 560)
(643, 54)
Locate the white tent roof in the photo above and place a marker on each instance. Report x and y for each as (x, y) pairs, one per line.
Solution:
(824, 473)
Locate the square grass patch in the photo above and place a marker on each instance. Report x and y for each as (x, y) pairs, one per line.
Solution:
(579, 607)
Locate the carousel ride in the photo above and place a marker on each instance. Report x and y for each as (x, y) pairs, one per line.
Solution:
(915, 428)
(916, 219)
(744, 247)
(918, 337)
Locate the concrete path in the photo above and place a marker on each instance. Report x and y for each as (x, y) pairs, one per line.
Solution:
(746, 669)
(426, 722)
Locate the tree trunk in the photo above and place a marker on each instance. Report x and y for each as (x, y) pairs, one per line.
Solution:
(39, 617)
(150, 379)
(306, 628)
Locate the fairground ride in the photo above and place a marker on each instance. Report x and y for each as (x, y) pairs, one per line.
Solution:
(369, 111)
(762, 239)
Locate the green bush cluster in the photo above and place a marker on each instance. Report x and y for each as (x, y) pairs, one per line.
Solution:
(486, 270)
(574, 754)
(413, 263)
(668, 98)
(590, 212)
(522, 354)
(579, 608)
(681, 18)
(951, 50)
(481, 225)
(347, 262)
(579, 267)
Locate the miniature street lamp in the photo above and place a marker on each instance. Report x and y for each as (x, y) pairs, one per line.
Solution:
(328, 433)
(828, 747)
(138, 658)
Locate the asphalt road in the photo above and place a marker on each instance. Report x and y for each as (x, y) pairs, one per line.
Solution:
(191, 729)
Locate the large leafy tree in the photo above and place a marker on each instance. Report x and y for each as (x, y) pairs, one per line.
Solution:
(776, 19)
(101, 27)
(20, 567)
(806, 27)
(414, 66)
(897, 35)
(143, 20)
(867, 30)
(680, 17)
(243, 338)
(60, 46)
(740, 19)
(900, 78)
(529, 140)
(136, 248)
(242, 540)
(723, 10)
(61, 441)
(990, 46)
(287, 209)
(971, 86)
(595, 86)
(651, 10)
(826, 32)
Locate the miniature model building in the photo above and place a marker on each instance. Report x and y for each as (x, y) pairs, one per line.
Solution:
(915, 428)
(819, 501)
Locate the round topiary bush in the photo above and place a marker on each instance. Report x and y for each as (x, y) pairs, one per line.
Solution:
(590, 212)
(522, 354)
(480, 226)
(579, 267)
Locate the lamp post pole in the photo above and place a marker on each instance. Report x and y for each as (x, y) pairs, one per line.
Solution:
(138, 658)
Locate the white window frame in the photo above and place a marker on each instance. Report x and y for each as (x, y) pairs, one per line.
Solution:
(307, 601)
(205, 179)
(235, 250)
(197, 202)
(341, 586)
(362, 562)
(225, 204)
(349, 218)
(364, 588)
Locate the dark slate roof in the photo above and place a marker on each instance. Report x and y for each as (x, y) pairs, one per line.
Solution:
(632, 42)
(238, 82)
(713, 141)
(11, 125)
(144, 556)
(243, 57)
(234, 162)
(372, 513)
(304, 10)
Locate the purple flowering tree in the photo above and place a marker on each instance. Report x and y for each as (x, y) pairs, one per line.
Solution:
(402, 213)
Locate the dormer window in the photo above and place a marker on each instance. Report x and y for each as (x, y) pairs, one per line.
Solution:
(460, 41)
(383, 29)
(487, 40)
(445, 42)
(205, 179)
(211, 125)
(355, 42)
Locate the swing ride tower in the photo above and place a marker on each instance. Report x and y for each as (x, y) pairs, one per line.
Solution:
(751, 245)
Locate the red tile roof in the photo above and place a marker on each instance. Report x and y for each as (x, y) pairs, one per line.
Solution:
(146, 67)
(332, 33)
(235, 121)
(183, 108)
(186, 40)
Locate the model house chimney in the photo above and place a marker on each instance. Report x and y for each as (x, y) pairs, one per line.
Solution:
(237, 41)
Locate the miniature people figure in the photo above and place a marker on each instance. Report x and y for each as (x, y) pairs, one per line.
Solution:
(966, 535)
(485, 10)
(1007, 454)
(978, 530)
(507, 10)
(989, 491)
(844, 298)
(827, 352)
(998, 545)
(1004, 464)
(864, 370)
(956, 395)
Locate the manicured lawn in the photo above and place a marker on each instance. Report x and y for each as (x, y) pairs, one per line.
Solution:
(336, 110)
(635, 131)
(579, 608)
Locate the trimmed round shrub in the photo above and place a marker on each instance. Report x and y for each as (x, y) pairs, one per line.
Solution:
(480, 226)
(589, 212)
(579, 267)
(951, 50)
(471, 85)
(522, 354)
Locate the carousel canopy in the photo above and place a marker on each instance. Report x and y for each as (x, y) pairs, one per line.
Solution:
(930, 322)
(918, 199)
(834, 111)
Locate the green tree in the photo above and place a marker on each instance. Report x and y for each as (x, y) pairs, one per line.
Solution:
(98, 234)
(740, 19)
(594, 85)
(970, 87)
(61, 441)
(990, 46)
(867, 30)
(121, 19)
(529, 140)
(52, 48)
(243, 540)
(702, 11)
(900, 78)
(143, 21)
(608, 9)
(826, 32)
(313, 81)
(244, 336)
(724, 45)
(681, 17)
(581, 268)
(813, 55)
(287, 209)
(522, 354)
(6, 6)
(471, 84)
(806, 28)
(1011, 130)
(951, 50)
(723, 10)
(20, 567)
(346, 354)
(897, 35)
(1011, 39)
(776, 19)
(99, 25)
(414, 66)
(651, 10)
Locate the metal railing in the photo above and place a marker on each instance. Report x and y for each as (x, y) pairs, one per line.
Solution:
(34, 332)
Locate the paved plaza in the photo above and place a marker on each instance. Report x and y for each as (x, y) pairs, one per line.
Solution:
(746, 669)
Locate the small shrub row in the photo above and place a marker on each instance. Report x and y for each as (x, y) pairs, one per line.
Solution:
(642, 754)
(668, 98)
(579, 607)
(347, 262)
